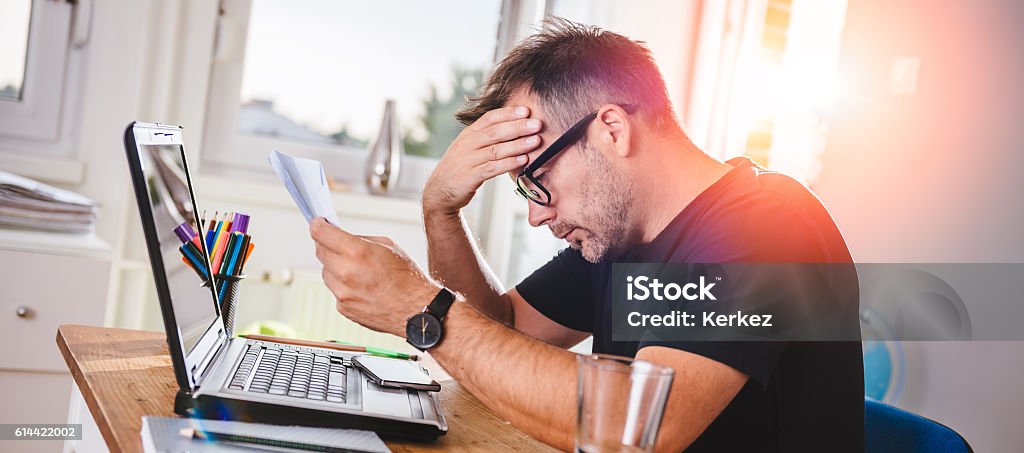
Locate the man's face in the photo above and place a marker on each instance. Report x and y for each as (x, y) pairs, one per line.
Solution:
(590, 197)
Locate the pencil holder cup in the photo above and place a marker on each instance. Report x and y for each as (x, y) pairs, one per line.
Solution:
(227, 290)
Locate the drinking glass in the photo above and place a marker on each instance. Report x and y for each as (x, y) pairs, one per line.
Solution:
(619, 404)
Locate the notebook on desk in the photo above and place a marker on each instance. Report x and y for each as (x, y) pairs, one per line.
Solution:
(234, 378)
(163, 435)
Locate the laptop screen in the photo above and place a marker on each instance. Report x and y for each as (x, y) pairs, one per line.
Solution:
(171, 204)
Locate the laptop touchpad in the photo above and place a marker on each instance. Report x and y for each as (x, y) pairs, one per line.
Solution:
(384, 400)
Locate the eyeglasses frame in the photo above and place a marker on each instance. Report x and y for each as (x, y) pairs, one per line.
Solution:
(567, 139)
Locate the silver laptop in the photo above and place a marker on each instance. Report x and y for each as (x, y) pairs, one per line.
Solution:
(235, 378)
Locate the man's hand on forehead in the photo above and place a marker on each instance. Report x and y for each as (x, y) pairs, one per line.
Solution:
(496, 143)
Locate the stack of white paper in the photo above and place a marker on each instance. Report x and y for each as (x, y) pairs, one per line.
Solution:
(307, 183)
(25, 203)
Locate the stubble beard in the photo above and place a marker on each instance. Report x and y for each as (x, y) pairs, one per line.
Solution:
(604, 212)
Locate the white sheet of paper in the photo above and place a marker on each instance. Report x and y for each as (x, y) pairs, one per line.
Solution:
(306, 181)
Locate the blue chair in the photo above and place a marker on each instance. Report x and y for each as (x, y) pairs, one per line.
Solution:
(890, 429)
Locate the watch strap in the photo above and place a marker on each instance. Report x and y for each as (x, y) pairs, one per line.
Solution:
(441, 303)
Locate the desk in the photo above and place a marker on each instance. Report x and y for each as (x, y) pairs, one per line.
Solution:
(125, 374)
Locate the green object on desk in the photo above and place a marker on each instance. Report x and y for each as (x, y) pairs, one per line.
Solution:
(379, 352)
(272, 328)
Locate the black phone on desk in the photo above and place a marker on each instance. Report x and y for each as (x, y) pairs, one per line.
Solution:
(396, 373)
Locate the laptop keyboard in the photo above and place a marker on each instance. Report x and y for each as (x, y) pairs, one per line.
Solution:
(291, 371)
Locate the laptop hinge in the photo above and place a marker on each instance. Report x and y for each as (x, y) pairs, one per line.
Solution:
(200, 370)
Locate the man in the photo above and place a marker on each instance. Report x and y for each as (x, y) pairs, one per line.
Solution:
(626, 185)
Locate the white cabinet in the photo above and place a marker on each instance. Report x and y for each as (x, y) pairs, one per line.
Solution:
(45, 280)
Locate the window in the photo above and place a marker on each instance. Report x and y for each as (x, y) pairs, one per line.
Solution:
(311, 77)
(14, 26)
(766, 80)
(34, 65)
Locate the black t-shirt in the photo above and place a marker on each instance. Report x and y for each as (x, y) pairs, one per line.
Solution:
(801, 396)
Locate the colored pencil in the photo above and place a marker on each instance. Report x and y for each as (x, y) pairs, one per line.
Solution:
(218, 253)
(197, 263)
(248, 252)
(223, 267)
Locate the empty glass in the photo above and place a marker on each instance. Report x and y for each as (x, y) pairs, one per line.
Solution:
(620, 403)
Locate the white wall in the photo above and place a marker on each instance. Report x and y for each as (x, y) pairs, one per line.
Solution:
(110, 100)
(935, 176)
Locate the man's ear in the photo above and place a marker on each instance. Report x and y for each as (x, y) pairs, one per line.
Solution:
(615, 129)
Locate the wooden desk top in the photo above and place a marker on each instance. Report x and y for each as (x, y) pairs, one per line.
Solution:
(125, 374)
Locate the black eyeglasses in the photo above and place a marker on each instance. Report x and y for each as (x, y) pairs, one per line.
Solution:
(527, 185)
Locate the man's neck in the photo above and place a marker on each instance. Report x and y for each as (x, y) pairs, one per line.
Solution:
(676, 172)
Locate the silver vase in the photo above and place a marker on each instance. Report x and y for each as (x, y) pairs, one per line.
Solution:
(385, 157)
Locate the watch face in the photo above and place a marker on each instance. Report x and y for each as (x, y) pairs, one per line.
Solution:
(423, 330)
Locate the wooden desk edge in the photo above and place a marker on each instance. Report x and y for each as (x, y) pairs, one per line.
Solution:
(90, 399)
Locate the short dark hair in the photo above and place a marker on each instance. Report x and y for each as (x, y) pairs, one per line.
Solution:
(573, 69)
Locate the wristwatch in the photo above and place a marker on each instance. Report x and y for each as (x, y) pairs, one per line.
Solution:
(424, 330)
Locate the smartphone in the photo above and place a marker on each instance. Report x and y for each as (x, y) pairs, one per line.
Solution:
(397, 373)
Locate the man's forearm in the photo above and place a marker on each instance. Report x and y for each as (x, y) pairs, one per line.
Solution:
(526, 382)
(455, 262)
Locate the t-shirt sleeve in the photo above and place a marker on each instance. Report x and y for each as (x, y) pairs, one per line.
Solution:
(561, 290)
(756, 359)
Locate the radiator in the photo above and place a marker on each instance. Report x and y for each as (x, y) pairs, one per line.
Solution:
(309, 307)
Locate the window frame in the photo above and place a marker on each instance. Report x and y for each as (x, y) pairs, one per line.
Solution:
(226, 150)
(36, 116)
(36, 131)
